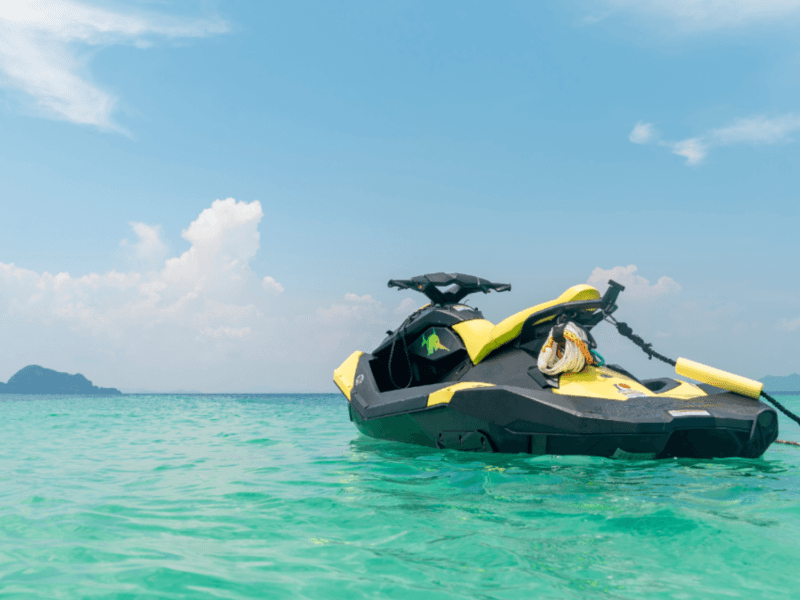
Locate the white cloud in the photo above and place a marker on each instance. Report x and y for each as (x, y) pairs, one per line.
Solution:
(202, 320)
(643, 133)
(636, 287)
(213, 313)
(231, 332)
(366, 298)
(224, 239)
(271, 286)
(39, 52)
(752, 130)
(757, 130)
(694, 150)
(406, 306)
(360, 322)
(150, 246)
(699, 15)
(694, 318)
(788, 325)
(358, 308)
(208, 294)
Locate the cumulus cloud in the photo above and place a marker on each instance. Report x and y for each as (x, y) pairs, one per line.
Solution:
(716, 323)
(753, 130)
(788, 325)
(271, 286)
(636, 287)
(208, 291)
(224, 239)
(365, 299)
(202, 319)
(643, 133)
(359, 322)
(694, 150)
(695, 318)
(40, 44)
(406, 306)
(357, 308)
(701, 15)
(149, 247)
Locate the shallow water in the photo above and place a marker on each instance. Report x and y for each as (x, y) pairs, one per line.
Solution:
(280, 497)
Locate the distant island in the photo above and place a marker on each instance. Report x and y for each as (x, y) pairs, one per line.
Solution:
(34, 379)
(782, 383)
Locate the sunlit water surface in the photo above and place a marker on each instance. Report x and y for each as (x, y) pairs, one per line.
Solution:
(280, 497)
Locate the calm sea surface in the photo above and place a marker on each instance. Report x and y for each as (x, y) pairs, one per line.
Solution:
(280, 497)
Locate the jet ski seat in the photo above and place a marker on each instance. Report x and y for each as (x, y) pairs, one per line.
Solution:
(481, 337)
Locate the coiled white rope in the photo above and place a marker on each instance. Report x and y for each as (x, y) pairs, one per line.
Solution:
(571, 356)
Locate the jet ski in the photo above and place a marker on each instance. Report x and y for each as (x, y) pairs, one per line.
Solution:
(448, 378)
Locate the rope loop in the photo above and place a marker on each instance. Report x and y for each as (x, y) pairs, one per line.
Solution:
(565, 351)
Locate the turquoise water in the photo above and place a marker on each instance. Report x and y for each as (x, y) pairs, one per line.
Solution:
(280, 497)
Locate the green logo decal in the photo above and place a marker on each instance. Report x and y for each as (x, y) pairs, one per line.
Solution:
(432, 343)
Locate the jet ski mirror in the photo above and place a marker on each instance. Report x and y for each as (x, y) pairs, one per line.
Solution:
(461, 286)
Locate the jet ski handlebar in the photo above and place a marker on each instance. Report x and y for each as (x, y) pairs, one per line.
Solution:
(462, 286)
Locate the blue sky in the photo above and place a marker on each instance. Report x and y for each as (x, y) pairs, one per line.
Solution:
(212, 195)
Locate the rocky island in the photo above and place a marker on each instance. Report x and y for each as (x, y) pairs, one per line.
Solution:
(34, 379)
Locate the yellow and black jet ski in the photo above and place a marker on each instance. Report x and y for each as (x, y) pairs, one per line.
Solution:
(448, 378)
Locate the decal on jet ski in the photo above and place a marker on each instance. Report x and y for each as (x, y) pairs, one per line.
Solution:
(628, 391)
(432, 343)
(689, 413)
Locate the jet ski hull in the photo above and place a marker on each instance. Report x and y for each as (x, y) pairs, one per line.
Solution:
(510, 419)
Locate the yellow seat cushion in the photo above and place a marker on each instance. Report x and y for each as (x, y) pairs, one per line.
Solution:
(482, 337)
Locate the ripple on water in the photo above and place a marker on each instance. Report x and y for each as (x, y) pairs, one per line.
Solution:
(280, 497)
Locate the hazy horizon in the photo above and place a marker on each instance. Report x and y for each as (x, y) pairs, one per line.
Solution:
(782, 381)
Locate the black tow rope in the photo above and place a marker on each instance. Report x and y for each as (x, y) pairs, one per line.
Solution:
(625, 331)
